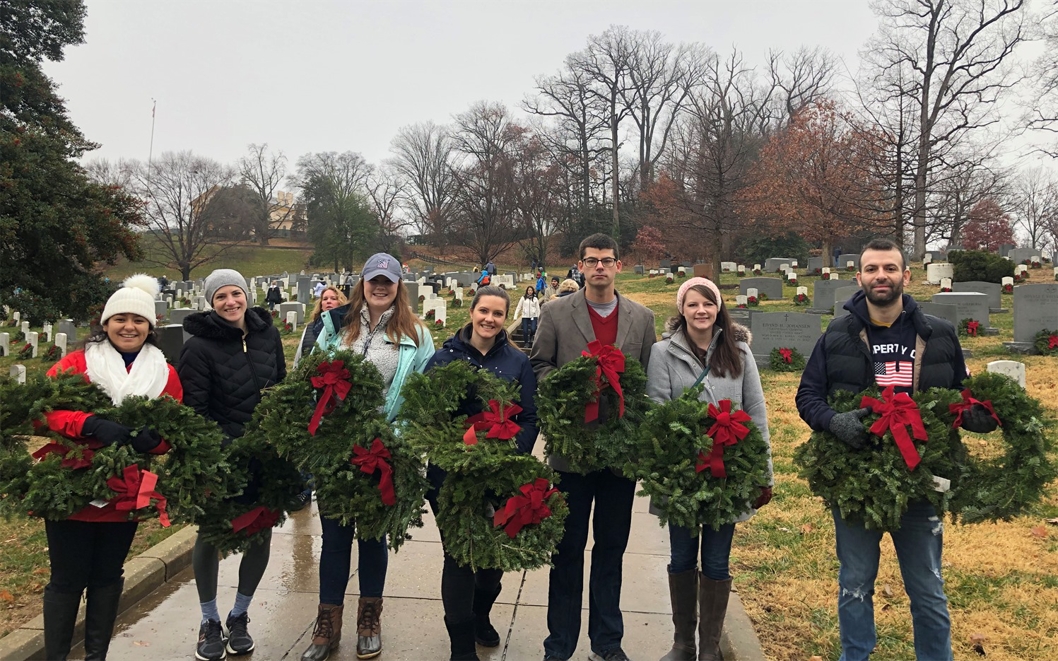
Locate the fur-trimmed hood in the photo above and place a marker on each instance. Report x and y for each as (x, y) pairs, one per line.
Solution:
(740, 332)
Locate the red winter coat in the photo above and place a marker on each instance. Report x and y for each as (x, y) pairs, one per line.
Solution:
(70, 423)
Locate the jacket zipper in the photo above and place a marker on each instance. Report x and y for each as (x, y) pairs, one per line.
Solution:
(253, 372)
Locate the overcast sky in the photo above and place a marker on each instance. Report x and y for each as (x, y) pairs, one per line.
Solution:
(337, 75)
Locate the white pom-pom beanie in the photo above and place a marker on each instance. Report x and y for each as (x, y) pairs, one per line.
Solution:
(136, 296)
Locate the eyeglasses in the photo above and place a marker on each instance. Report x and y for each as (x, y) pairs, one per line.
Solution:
(592, 262)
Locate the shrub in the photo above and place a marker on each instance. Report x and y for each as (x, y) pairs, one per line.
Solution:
(979, 265)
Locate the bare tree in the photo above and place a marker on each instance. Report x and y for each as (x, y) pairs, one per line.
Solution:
(1042, 114)
(535, 188)
(952, 56)
(1035, 203)
(385, 188)
(422, 156)
(177, 188)
(263, 172)
(964, 184)
(120, 173)
(800, 79)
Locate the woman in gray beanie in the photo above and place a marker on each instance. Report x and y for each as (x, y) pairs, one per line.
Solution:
(234, 353)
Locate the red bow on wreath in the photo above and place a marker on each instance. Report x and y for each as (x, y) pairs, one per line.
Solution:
(727, 429)
(787, 355)
(1052, 342)
(610, 363)
(68, 461)
(373, 460)
(971, 328)
(966, 404)
(526, 509)
(257, 519)
(497, 421)
(897, 411)
(135, 490)
(334, 379)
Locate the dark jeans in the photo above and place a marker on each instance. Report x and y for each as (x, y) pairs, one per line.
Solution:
(87, 554)
(715, 549)
(613, 496)
(528, 330)
(335, 563)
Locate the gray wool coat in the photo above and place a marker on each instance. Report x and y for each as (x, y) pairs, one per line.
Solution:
(674, 368)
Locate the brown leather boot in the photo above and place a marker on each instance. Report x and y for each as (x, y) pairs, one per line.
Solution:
(683, 594)
(327, 633)
(712, 603)
(369, 627)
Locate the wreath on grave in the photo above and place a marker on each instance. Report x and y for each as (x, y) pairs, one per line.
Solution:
(762, 296)
(752, 301)
(25, 352)
(1046, 342)
(1021, 276)
(506, 516)
(52, 355)
(288, 328)
(851, 268)
(945, 290)
(825, 276)
(69, 475)
(701, 464)
(969, 327)
(591, 408)
(1035, 264)
(783, 359)
(1008, 288)
(756, 271)
(430, 313)
(801, 299)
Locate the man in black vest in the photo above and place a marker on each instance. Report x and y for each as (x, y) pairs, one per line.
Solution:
(886, 340)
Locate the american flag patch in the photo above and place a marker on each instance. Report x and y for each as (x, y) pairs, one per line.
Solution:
(893, 373)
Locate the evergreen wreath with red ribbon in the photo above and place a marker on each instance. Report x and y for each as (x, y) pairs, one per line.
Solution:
(786, 359)
(701, 464)
(1046, 342)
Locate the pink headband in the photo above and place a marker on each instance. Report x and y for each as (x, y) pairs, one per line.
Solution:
(705, 282)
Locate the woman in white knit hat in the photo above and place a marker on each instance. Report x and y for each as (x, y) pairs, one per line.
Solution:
(234, 353)
(88, 549)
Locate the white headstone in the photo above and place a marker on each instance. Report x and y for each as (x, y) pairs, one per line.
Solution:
(18, 373)
(1011, 368)
(792, 277)
(740, 299)
(668, 277)
(60, 341)
(33, 338)
(934, 272)
(927, 259)
(741, 269)
(292, 319)
(16, 315)
(47, 332)
(1021, 268)
(784, 267)
(25, 329)
(756, 267)
(1007, 280)
(5, 344)
(752, 291)
(440, 312)
(826, 269)
(802, 290)
(945, 283)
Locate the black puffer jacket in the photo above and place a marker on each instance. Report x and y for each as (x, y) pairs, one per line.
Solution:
(223, 373)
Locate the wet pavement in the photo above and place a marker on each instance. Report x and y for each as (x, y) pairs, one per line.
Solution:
(165, 624)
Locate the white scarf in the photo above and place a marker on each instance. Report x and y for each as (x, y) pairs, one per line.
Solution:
(106, 368)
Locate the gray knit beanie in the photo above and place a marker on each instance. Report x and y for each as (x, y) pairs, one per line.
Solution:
(223, 278)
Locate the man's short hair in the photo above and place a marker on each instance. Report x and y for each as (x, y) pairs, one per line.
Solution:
(884, 245)
(599, 242)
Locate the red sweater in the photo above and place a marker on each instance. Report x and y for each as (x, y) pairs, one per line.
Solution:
(605, 327)
(70, 424)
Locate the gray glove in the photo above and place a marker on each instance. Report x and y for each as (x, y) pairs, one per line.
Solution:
(978, 420)
(849, 428)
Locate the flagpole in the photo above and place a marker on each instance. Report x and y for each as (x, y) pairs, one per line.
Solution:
(150, 152)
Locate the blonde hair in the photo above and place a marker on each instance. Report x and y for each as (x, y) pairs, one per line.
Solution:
(403, 323)
(568, 285)
(317, 309)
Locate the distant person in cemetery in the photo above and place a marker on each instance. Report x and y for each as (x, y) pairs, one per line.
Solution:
(318, 289)
(550, 291)
(484, 280)
(87, 550)
(468, 595)
(541, 283)
(567, 326)
(886, 340)
(233, 354)
(576, 276)
(528, 311)
(330, 298)
(490, 267)
(163, 281)
(273, 296)
(566, 288)
(377, 323)
(705, 346)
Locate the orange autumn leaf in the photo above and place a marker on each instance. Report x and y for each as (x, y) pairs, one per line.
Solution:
(1039, 532)
(7, 596)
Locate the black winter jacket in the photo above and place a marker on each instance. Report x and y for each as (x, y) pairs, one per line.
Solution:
(223, 373)
(841, 359)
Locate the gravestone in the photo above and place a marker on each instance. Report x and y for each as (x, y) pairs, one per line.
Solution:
(47, 331)
(990, 289)
(725, 267)
(971, 305)
(792, 278)
(299, 308)
(770, 287)
(772, 264)
(465, 279)
(775, 330)
(638, 269)
(25, 330)
(1011, 368)
(742, 316)
(1007, 280)
(842, 262)
(16, 315)
(33, 339)
(741, 270)
(681, 271)
(18, 373)
(458, 291)
(1021, 255)
(304, 289)
(201, 306)
(292, 319)
(945, 284)
(161, 308)
(171, 341)
(177, 315)
(440, 308)
(669, 277)
(703, 271)
(815, 264)
(752, 292)
(1005, 248)
(936, 271)
(5, 344)
(841, 296)
(413, 294)
(949, 313)
(741, 299)
(927, 259)
(823, 295)
(60, 341)
(665, 264)
(1035, 309)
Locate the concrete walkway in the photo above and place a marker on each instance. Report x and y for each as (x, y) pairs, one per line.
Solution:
(165, 624)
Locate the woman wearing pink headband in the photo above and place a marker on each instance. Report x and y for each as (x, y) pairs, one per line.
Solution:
(703, 339)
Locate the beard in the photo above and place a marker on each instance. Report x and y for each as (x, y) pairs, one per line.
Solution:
(884, 299)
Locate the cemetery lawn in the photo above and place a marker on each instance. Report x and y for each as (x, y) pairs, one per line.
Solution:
(250, 260)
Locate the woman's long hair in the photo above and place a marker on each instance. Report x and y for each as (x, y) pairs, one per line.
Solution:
(317, 309)
(529, 292)
(403, 323)
(726, 359)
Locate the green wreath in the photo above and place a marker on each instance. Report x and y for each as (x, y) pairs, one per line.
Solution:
(563, 399)
(348, 382)
(430, 424)
(970, 328)
(784, 359)
(472, 508)
(69, 475)
(379, 487)
(674, 465)
(1046, 342)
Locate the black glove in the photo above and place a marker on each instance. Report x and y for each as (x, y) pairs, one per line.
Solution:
(978, 420)
(849, 428)
(146, 440)
(105, 431)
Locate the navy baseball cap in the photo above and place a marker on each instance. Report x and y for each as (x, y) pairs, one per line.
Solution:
(382, 264)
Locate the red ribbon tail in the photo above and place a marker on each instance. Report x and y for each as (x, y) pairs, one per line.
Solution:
(906, 446)
(321, 406)
(591, 411)
(470, 436)
(716, 461)
(385, 485)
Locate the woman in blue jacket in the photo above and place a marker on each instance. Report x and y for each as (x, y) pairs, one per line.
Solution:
(379, 324)
(468, 595)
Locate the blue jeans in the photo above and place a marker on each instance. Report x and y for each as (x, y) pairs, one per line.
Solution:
(613, 496)
(918, 545)
(372, 560)
(715, 550)
(528, 330)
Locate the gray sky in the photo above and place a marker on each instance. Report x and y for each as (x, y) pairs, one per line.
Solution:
(334, 76)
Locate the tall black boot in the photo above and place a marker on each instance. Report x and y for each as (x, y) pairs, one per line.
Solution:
(461, 636)
(485, 634)
(101, 610)
(60, 617)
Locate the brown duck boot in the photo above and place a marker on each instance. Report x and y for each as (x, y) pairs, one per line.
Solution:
(326, 634)
(369, 627)
(712, 602)
(683, 593)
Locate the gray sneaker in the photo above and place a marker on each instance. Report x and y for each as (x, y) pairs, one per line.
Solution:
(616, 654)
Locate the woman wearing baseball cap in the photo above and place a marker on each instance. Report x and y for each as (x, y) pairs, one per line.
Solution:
(88, 549)
(379, 324)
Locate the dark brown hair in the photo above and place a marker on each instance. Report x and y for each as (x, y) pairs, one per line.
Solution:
(726, 359)
(403, 323)
(491, 290)
(885, 245)
(599, 242)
